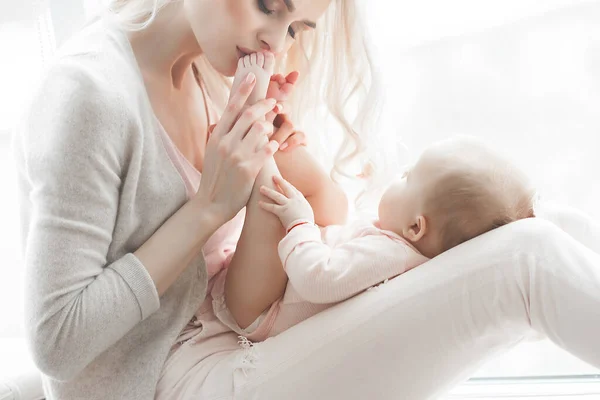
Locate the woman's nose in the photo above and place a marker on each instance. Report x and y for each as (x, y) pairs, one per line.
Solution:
(273, 43)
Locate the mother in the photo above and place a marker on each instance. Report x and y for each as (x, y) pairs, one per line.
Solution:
(114, 228)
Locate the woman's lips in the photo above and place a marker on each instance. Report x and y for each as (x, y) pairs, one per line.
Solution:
(242, 51)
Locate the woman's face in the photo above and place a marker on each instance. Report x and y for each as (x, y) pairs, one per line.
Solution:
(229, 29)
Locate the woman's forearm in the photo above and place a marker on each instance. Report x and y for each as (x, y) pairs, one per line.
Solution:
(176, 243)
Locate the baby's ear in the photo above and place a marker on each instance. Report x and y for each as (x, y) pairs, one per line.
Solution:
(417, 229)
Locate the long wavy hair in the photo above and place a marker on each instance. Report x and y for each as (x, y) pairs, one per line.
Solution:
(337, 83)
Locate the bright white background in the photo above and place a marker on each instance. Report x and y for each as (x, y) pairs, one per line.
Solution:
(524, 75)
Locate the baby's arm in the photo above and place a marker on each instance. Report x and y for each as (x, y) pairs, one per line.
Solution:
(320, 273)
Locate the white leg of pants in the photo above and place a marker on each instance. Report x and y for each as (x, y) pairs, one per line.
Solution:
(576, 223)
(429, 329)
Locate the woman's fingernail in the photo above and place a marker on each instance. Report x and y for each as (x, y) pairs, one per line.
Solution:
(250, 78)
(283, 146)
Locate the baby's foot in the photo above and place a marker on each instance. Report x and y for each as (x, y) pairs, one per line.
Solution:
(262, 66)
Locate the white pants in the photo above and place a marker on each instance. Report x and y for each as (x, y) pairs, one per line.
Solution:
(425, 331)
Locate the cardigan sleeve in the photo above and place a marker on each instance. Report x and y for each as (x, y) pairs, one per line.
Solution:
(70, 153)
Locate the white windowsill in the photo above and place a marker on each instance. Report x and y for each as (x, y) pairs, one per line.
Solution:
(559, 388)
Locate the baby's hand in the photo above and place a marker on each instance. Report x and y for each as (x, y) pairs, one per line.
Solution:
(289, 205)
(280, 88)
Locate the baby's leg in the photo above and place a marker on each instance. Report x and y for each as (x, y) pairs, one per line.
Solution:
(255, 278)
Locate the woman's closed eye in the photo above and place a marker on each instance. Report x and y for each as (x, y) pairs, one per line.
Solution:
(268, 9)
(264, 8)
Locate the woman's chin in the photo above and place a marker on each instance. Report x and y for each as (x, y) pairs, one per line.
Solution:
(222, 66)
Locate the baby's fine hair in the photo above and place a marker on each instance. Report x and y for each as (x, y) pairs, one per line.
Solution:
(477, 190)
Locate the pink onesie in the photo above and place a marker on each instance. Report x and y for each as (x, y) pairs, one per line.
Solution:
(325, 266)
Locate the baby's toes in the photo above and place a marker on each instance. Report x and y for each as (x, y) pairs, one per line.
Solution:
(269, 62)
(260, 60)
(248, 61)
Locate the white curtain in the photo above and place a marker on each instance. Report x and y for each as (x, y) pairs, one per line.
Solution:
(524, 75)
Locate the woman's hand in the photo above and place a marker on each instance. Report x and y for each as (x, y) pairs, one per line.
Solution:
(285, 134)
(289, 205)
(235, 153)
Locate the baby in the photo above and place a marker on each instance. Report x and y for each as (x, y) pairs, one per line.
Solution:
(457, 190)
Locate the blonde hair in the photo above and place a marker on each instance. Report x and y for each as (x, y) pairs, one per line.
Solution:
(474, 191)
(335, 70)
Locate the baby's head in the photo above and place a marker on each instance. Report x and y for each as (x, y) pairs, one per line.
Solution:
(457, 190)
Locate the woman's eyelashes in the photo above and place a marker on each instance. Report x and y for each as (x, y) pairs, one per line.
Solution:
(264, 8)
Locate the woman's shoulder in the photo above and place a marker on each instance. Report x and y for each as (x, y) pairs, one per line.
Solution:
(89, 91)
(94, 67)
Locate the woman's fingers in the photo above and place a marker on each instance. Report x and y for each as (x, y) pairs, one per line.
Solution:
(270, 117)
(258, 159)
(249, 116)
(235, 105)
(286, 136)
(297, 139)
(285, 130)
(273, 195)
(277, 110)
(258, 135)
